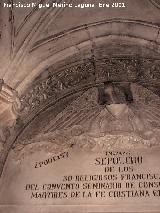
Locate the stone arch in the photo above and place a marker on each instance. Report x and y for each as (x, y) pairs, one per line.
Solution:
(87, 48)
(55, 48)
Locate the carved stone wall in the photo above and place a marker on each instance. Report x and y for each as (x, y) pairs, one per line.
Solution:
(60, 82)
(87, 74)
(48, 65)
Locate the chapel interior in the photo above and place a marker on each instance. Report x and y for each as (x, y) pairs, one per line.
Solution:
(92, 71)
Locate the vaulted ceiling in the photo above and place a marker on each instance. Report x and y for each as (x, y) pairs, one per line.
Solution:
(32, 39)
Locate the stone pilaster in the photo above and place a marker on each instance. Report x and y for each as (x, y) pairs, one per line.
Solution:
(9, 111)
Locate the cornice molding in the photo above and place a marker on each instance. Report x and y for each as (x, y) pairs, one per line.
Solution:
(101, 25)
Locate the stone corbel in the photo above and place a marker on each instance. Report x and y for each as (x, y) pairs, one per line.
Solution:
(9, 109)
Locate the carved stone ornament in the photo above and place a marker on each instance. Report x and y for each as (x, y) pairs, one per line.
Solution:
(10, 108)
(91, 126)
(69, 78)
(156, 3)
